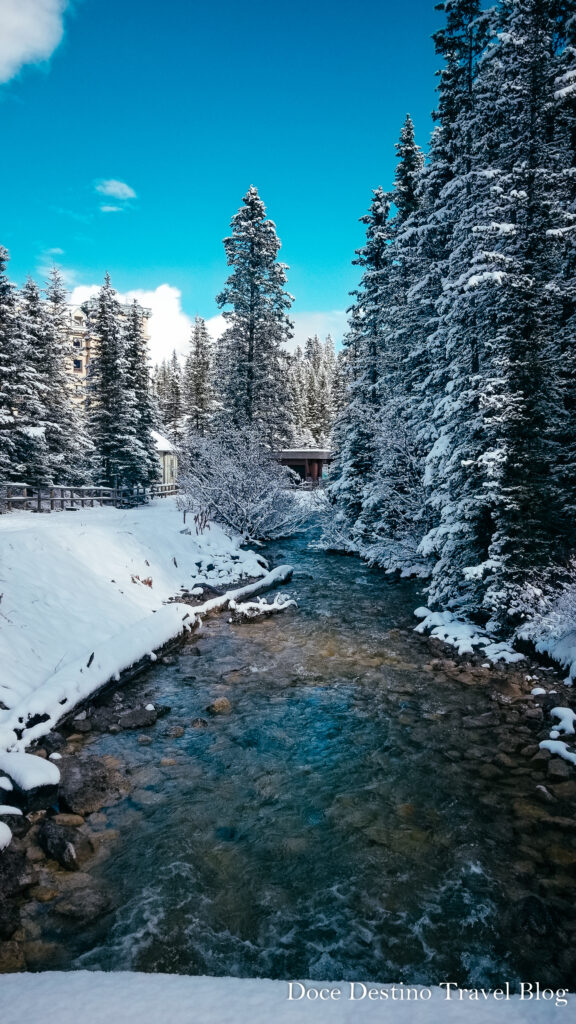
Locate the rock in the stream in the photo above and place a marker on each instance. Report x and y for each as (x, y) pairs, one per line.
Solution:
(9, 919)
(220, 706)
(558, 769)
(486, 721)
(16, 872)
(84, 904)
(53, 741)
(89, 784)
(138, 718)
(199, 723)
(175, 732)
(82, 725)
(11, 958)
(73, 820)
(56, 842)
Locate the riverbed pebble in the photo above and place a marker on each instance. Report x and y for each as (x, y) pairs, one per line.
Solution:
(220, 706)
(75, 820)
(175, 732)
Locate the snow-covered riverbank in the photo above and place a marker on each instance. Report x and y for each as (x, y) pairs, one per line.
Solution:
(84, 596)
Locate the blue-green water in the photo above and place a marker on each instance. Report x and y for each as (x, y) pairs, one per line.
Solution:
(333, 825)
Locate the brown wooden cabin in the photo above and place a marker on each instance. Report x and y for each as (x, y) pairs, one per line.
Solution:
(309, 463)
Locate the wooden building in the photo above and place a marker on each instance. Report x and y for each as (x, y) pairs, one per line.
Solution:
(311, 464)
(168, 458)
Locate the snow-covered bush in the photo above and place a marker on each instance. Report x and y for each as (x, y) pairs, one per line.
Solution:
(552, 625)
(236, 481)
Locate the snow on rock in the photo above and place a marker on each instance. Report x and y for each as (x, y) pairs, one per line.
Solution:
(566, 718)
(538, 691)
(464, 636)
(560, 748)
(55, 998)
(7, 809)
(6, 784)
(280, 574)
(256, 609)
(85, 597)
(5, 835)
(28, 771)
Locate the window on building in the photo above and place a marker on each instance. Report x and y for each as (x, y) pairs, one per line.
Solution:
(78, 365)
(77, 343)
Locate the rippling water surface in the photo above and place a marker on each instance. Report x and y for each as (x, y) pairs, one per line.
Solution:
(330, 826)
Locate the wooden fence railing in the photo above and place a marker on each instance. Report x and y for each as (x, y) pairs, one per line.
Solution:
(23, 497)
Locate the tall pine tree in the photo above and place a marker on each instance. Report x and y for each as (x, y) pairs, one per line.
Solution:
(252, 378)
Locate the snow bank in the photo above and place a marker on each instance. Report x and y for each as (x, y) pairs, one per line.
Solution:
(553, 631)
(28, 771)
(464, 636)
(84, 597)
(59, 998)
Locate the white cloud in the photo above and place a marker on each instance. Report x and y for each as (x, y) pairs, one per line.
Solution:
(116, 189)
(111, 209)
(31, 31)
(55, 251)
(169, 326)
(306, 325)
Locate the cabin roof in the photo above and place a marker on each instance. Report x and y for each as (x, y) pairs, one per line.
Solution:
(162, 443)
(304, 453)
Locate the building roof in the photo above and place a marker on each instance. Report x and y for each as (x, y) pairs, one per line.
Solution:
(162, 443)
(304, 453)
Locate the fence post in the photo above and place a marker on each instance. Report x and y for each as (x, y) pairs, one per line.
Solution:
(39, 507)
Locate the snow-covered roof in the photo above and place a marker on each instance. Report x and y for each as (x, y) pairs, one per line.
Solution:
(304, 453)
(162, 443)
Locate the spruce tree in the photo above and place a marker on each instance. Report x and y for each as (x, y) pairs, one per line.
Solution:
(146, 465)
(198, 382)
(7, 370)
(69, 446)
(173, 411)
(31, 461)
(251, 376)
(111, 404)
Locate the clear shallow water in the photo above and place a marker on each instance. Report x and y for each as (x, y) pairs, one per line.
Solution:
(319, 830)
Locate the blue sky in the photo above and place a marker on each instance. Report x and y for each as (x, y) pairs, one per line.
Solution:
(188, 104)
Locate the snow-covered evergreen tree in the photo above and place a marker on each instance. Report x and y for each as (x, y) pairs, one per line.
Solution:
(493, 464)
(199, 400)
(254, 389)
(172, 405)
(117, 450)
(31, 461)
(8, 359)
(68, 443)
(144, 414)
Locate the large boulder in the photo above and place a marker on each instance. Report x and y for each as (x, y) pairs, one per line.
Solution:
(57, 843)
(84, 904)
(138, 718)
(89, 784)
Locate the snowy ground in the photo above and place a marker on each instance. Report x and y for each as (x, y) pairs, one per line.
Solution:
(170, 999)
(84, 596)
